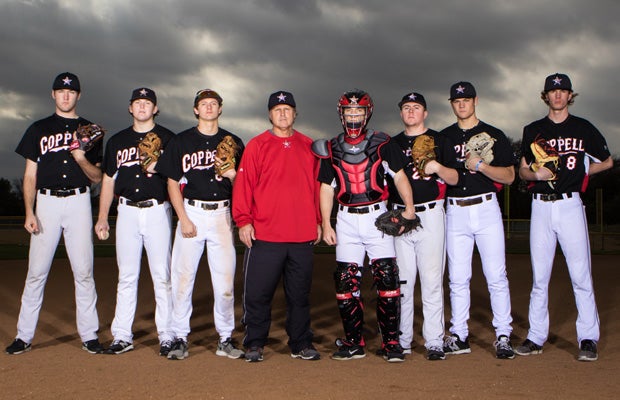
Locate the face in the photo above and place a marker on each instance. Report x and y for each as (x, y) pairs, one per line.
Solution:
(464, 108)
(142, 110)
(558, 99)
(413, 114)
(354, 114)
(208, 109)
(282, 116)
(66, 99)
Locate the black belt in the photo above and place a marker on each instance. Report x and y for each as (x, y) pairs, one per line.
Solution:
(552, 196)
(470, 202)
(418, 208)
(63, 192)
(208, 206)
(140, 204)
(360, 210)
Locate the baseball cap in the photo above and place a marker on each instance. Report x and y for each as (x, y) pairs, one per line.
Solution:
(143, 93)
(281, 97)
(558, 81)
(412, 97)
(207, 94)
(66, 80)
(462, 90)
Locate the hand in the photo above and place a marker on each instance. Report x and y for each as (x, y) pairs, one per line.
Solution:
(246, 235)
(543, 174)
(31, 224)
(188, 229)
(319, 233)
(230, 174)
(102, 229)
(329, 235)
(471, 162)
(409, 213)
(431, 167)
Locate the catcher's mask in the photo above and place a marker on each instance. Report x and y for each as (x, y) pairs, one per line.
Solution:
(355, 99)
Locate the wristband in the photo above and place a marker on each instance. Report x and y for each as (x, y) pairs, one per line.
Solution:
(478, 165)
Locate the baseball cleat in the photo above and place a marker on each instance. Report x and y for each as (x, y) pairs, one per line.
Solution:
(393, 353)
(254, 354)
(18, 347)
(93, 346)
(434, 353)
(348, 351)
(587, 351)
(528, 347)
(227, 349)
(119, 347)
(454, 345)
(503, 348)
(308, 353)
(164, 348)
(178, 350)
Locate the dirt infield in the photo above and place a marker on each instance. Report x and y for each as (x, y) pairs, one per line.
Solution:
(57, 368)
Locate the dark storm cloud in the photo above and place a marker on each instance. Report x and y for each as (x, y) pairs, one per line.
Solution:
(315, 49)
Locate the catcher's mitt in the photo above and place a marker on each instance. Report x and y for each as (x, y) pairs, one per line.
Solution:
(86, 136)
(546, 157)
(227, 152)
(149, 149)
(393, 223)
(422, 151)
(480, 145)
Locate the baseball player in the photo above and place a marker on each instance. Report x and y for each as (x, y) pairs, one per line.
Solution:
(201, 199)
(423, 251)
(353, 168)
(473, 216)
(144, 220)
(58, 181)
(558, 215)
(280, 161)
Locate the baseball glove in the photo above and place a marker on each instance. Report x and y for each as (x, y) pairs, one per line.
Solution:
(86, 136)
(480, 145)
(393, 223)
(227, 152)
(150, 150)
(423, 151)
(546, 157)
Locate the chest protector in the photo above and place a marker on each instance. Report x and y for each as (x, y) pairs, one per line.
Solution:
(359, 169)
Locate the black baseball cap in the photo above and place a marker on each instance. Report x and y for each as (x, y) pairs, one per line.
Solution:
(412, 97)
(462, 90)
(281, 97)
(66, 80)
(207, 94)
(558, 81)
(143, 93)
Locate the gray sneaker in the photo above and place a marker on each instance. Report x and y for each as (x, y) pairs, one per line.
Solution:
(528, 347)
(119, 347)
(179, 350)
(227, 349)
(254, 354)
(308, 353)
(587, 351)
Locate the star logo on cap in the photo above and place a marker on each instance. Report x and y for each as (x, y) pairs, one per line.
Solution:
(144, 92)
(66, 81)
(281, 97)
(412, 96)
(353, 100)
(557, 81)
(460, 89)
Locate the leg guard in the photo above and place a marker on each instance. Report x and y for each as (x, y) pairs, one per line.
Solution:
(347, 278)
(386, 279)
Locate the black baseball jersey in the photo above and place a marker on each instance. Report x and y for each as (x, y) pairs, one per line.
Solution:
(431, 187)
(472, 183)
(47, 143)
(121, 161)
(577, 141)
(367, 166)
(190, 159)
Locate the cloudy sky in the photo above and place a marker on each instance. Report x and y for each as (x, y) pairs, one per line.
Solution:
(317, 49)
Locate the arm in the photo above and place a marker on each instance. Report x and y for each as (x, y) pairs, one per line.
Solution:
(326, 203)
(525, 173)
(92, 171)
(597, 167)
(188, 229)
(30, 193)
(504, 175)
(406, 194)
(449, 175)
(105, 202)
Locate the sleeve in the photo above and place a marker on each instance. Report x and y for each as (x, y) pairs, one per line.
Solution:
(245, 181)
(109, 166)
(169, 164)
(504, 155)
(526, 140)
(446, 154)
(28, 146)
(326, 171)
(596, 145)
(394, 156)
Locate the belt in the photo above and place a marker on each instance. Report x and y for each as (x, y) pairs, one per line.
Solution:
(140, 204)
(552, 196)
(470, 202)
(360, 210)
(418, 208)
(63, 192)
(205, 205)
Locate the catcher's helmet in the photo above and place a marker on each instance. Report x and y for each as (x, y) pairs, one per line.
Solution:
(355, 98)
